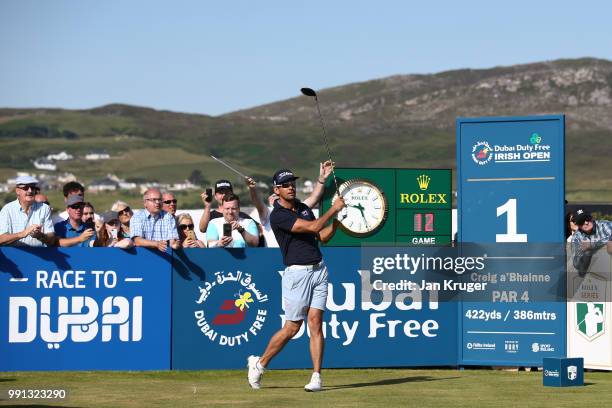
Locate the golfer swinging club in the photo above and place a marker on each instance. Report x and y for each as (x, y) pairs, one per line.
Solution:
(304, 283)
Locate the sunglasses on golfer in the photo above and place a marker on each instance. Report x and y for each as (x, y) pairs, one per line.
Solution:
(183, 227)
(76, 206)
(170, 201)
(287, 185)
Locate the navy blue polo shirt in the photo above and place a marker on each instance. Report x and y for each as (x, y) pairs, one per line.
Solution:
(63, 229)
(297, 249)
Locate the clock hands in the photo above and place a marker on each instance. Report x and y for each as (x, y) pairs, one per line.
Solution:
(361, 209)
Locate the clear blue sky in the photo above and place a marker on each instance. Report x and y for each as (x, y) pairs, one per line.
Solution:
(215, 57)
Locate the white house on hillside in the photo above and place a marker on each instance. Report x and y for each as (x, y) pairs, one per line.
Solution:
(113, 177)
(126, 185)
(153, 184)
(65, 177)
(121, 183)
(97, 155)
(185, 185)
(44, 164)
(105, 184)
(60, 156)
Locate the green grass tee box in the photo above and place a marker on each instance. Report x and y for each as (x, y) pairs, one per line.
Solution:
(285, 388)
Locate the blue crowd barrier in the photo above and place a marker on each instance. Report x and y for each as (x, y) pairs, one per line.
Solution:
(210, 331)
(140, 309)
(84, 309)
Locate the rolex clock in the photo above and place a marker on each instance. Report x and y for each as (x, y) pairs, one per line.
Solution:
(366, 207)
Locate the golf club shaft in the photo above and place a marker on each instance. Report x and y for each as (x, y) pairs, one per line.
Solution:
(326, 144)
(228, 166)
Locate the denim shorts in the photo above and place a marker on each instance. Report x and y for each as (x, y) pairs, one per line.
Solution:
(304, 287)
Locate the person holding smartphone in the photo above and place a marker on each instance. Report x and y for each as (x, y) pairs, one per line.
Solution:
(89, 212)
(73, 231)
(231, 230)
(222, 188)
(186, 230)
(108, 230)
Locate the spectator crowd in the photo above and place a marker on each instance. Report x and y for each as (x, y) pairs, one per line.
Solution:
(586, 235)
(29, 221)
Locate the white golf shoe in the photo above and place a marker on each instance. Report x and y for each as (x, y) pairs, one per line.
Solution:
(315, 383)
(255, 372)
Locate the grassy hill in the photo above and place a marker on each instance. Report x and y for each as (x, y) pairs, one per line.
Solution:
(399, 121)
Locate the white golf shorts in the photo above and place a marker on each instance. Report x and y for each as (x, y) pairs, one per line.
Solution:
(304, 286)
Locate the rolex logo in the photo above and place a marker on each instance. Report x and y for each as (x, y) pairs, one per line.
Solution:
(423, 181)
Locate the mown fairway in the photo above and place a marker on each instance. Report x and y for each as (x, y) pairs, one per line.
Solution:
(283, 388)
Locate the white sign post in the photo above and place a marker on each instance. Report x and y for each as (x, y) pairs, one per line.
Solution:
(589, 312)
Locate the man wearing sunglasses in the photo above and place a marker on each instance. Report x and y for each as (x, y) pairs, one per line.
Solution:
(591, 235)
(73, 231)
(153, 227)
(69, 189)
(304, 282)
(262, 210)
(169, 203)
(42, 198)
(25, 222)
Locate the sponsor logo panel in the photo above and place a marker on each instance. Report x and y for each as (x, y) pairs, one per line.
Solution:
(230, 310)
(532, 150)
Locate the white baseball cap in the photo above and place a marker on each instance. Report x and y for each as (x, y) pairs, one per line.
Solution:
(25, 180)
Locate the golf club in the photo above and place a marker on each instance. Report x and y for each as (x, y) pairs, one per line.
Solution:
(311, 92)
(228, 166)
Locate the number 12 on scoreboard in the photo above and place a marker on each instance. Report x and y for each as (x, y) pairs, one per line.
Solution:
(418, 222)
(509, 208)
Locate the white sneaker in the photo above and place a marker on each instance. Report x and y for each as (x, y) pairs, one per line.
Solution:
(315, 383)
(255, 373)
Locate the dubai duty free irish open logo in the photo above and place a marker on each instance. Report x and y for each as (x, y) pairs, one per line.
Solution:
(230, 310)
(482, 153)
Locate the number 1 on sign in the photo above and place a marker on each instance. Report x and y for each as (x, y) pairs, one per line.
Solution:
(509, 208)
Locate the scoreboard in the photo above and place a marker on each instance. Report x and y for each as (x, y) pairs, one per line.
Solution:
(423, 207)
(392, 207)
(510, 203)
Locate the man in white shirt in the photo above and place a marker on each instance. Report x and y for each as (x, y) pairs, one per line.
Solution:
(26, 222)
(240, 232)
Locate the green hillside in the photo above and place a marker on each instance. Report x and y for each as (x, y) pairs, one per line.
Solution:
(400, 121)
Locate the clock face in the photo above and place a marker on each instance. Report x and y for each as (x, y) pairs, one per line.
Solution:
(366, 207)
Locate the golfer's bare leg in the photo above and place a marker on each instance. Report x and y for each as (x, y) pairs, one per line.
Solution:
(278, 341)
(317, 342)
